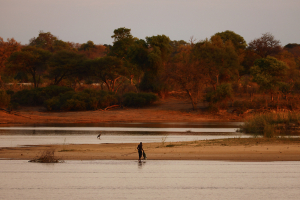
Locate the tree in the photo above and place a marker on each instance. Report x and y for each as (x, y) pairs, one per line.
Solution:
(31, 60)
(294, 49)
(110, 70)
(161, 45)
(122, 41)
(269, 73)
(159, 51)
(237, 40)
(6, 49)
(221, 60)
(66, 64)
(189, 73)
(91, 50)
(50, 42)
(265, 46)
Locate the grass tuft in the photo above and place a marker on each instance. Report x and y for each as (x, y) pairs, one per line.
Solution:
(273, 124)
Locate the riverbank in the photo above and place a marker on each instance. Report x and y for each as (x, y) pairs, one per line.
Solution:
(237, 149)
(165, 110)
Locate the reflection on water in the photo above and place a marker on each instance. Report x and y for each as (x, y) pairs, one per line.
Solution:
(150, 180)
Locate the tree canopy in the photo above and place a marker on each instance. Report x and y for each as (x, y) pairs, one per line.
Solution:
(269, 73)
(31, 60)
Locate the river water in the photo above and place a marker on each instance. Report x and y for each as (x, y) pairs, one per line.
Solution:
(112, 179)
(115, 133)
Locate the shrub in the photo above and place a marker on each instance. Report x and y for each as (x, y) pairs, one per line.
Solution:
(222, 92)
(84, 100)
(10, 92)
(4, 98)
(37, 96)
(139, 99)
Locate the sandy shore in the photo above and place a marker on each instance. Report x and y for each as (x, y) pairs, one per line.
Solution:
(239, 149)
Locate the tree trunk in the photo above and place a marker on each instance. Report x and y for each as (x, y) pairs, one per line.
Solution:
(194, 103)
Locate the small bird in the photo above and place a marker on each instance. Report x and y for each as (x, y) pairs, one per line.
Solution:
(99, 136)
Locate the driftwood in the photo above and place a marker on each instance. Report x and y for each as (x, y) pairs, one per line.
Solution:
(110, 107)
(47, 157)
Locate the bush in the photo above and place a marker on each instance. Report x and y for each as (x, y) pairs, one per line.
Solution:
(4, 98)
(222, 92)
(37, 96)
(85, 100)
(139, 99)
(10, 92)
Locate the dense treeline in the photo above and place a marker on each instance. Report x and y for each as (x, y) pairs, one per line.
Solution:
(221, 70)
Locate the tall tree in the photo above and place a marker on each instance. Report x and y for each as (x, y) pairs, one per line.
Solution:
(91, 50)
(109, 70)
(122, 41)
(189, 73)
(50, 42)
(222, 61)
(159, 51)
(269, 73)
(160, 44)
(66, 64)
(295, 50)
(237, 40)
(6, 49)
(265, 46)
(31, 60)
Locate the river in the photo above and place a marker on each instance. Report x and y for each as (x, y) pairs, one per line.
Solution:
(110, 179)
(152, 179)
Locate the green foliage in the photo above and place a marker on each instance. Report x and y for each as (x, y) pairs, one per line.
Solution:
(221, 60)
(10, 92)
(163, 43)
(89, 45)
(66, 64)
(4, 98)
(139, 99)
(38, 96)
(108, 69)
(49, 42)
(151, 83)
(268, 73)
(237, 40)
(223, 92)
(30, 60)
(85, 100)
(138, 54)
(122, 41)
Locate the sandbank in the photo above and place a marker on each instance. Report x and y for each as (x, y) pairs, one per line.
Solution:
(237, 149)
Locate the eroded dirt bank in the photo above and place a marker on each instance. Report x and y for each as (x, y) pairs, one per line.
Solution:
(168, 110)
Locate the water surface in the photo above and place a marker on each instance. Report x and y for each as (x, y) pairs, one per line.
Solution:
(150, 180)
(115, 133)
